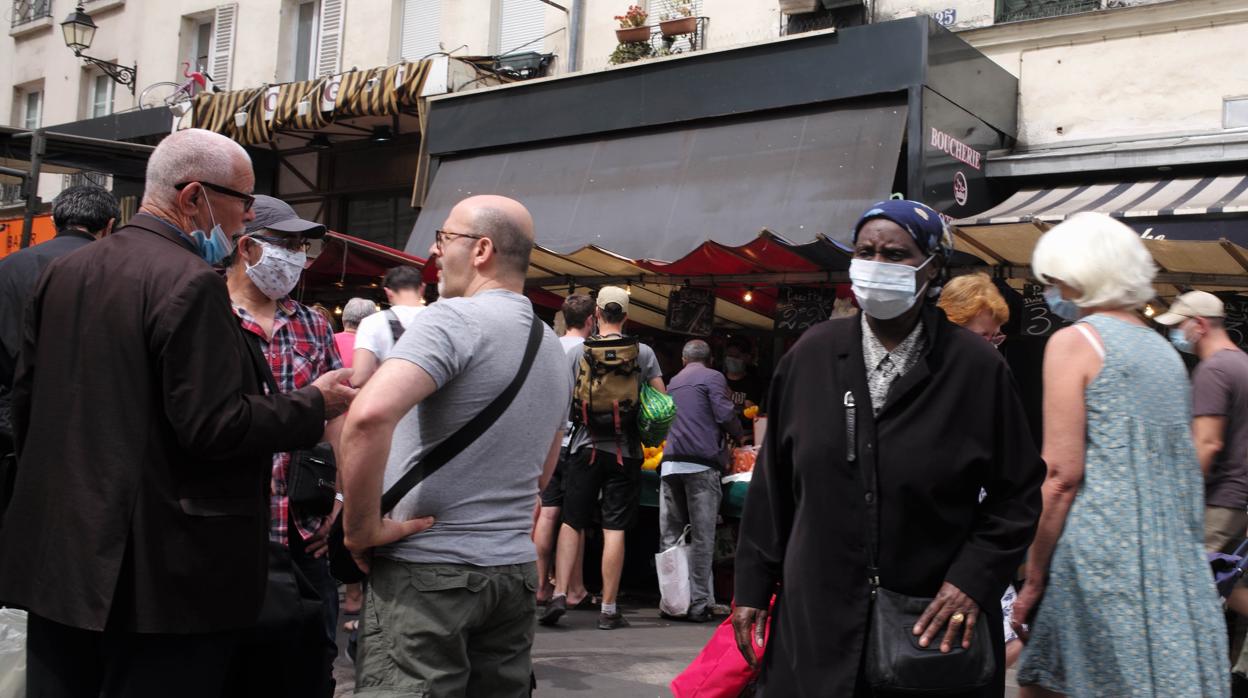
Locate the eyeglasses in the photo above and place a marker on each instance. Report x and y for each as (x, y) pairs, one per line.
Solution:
(995, 339)
(248, 199)
(440, 237)
(294, 244)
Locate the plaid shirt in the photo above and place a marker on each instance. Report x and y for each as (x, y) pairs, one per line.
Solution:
(302, 349)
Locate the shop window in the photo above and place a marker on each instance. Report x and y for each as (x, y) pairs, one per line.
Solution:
(101, 96)
(421, 33)
(386, 219)
(1019, 10)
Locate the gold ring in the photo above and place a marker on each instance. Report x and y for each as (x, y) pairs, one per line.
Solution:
(957, 617)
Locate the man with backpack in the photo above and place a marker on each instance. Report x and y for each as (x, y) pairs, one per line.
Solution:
(379, 332)
(604, 454)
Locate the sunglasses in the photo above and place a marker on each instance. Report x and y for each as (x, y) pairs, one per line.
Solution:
(295, 244)
(247, 199)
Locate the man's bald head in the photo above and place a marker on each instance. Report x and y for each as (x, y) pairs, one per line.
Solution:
(507, 223)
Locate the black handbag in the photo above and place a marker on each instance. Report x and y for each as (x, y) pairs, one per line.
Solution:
(894, 660)
(341, 565)
(312, 483)
(312, 474)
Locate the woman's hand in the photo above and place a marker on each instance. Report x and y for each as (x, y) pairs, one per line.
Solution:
(749, 625)
(1028, 598)
(951, 611)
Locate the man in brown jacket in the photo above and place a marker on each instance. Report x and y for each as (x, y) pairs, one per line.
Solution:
(136, 534)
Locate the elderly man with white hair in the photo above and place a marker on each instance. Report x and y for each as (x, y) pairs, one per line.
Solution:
(136, 533)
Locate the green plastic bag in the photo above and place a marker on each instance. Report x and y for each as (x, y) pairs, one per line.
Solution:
(655, 418)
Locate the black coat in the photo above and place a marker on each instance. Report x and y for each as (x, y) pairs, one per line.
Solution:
(950, 426)
(144, 444)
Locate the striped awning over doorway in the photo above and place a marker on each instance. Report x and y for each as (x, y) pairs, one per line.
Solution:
(1156, 198)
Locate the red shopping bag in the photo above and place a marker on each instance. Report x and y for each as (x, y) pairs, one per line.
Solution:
(719, 670)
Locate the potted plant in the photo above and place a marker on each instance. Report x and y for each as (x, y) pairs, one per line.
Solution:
(679, 21)
(632, 26)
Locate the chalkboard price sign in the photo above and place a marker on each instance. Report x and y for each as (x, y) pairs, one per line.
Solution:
(1236, 321)
(800, 308)
(691, 311)
(1038, 320)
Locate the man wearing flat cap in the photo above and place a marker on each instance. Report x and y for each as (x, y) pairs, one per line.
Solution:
(1219, 423)
(298, 344)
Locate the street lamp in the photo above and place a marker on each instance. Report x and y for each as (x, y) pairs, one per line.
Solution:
(79, 31)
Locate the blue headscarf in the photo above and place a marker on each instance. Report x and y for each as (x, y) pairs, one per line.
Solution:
(923, 223)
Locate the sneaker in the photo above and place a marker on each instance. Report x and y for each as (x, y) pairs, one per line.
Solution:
(555, 609)
(612, 621)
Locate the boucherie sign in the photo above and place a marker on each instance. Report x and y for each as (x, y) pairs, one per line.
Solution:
(956, 149)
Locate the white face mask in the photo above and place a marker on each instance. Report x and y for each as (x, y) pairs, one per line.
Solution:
(885, 291)
(278, 270)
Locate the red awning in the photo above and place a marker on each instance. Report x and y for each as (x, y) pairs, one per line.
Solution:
(346, 261)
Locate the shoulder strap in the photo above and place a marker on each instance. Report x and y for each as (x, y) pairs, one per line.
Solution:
(259, 361)
(1088, 335)
(470, 432)
(396, 327)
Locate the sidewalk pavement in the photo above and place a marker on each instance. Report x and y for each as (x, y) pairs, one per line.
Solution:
(575, 658)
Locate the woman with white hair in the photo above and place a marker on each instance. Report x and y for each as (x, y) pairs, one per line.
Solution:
(1123, 600)
(353, 312)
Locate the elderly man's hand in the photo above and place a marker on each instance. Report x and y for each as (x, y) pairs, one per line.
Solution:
(951, 611)
(337, 391)
(749, 626)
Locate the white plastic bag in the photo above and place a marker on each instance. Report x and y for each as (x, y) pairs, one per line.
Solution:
(673, 568)
(12, 653)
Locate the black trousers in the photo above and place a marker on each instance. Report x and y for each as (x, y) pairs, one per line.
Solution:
(65, 662)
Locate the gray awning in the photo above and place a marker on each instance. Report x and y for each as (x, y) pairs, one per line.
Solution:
(659, 194)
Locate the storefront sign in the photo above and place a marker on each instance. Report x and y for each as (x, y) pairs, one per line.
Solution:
(1236, 321)
(800, 308)
(954, 147)
(691, 311)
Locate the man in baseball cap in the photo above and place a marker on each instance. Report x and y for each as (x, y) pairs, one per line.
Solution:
(1219, 423)
(268, 261)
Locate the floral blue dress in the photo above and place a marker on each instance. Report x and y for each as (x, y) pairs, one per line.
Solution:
(1130, 608)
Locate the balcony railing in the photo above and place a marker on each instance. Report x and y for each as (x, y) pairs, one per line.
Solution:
(10, 194)
(1019, 10)
(98, 179)
(27, 11)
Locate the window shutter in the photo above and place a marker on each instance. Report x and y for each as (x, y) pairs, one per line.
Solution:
(421, 29)
(521, 22)
(329, 41)
(221, 52)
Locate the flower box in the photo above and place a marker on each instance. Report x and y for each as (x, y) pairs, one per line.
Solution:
(632, 35)
(678, 27)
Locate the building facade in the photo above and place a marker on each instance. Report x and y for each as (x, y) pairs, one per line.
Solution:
(1103, 84)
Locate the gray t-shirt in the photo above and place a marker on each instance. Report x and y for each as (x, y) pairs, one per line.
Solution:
(1220, 389)
(648, 363)
(483, 499)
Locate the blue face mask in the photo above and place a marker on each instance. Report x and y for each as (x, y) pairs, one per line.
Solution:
(1180, 341)
(1061, 307)
(213, 246)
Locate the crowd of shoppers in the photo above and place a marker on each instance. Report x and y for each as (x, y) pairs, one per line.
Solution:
(163, 542)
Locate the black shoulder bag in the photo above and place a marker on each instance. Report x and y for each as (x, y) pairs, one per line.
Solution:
(895, 662)
(341, 564)
(312, 476)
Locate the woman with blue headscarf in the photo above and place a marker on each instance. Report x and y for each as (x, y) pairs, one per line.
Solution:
(866, 495)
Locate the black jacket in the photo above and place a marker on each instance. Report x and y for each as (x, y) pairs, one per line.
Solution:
(18, 274)
(950, 426)
(144, 444)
